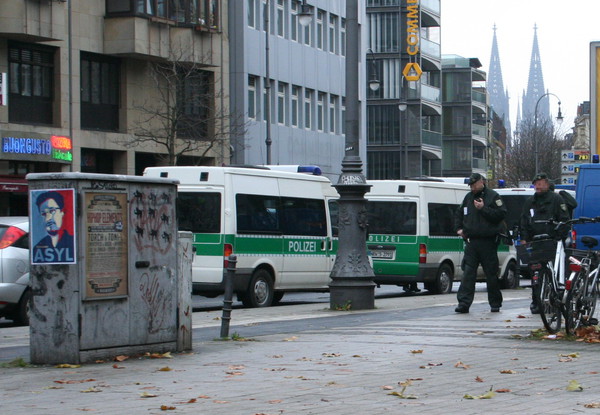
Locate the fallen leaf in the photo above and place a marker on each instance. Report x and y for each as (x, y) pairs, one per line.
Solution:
(416, 351)
(488, 395)
(70, 382)
(121, 358)
(403, 396)
(216, 401)
(478, 379)
(67, 366)
(521, 316)
(574, 386)
(565, 359)
(116, 366)
(573, 355)
(91, 390)
(290, 339)
(592, 405)
(277, 356)
(193, 400)
(508, 321)
(165, 369)
(387, 388)
(331, 354)
(203, 396)
(356, 355)
(235, 373)
(461, 365)
(237, 367)
(508, 372)
(274, 401)
(504, 390)
(147, 395)
(167, 408)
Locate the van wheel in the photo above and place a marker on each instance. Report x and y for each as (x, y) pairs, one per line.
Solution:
(22, 316)
(260, 291)
(443, 281)
(278, 296)
(510, 279)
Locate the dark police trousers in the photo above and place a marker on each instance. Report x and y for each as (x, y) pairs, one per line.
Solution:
(485, 252)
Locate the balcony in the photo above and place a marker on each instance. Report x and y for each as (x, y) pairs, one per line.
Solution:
(430, 48)
(33, 21)
(432, 138)
(480, 164)
(479, 130)
(430, 13)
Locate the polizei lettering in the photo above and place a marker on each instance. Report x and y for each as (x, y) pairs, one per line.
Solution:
(302, 246)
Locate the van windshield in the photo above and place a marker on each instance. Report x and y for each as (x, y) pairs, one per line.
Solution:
(398, 218)
(514, 208)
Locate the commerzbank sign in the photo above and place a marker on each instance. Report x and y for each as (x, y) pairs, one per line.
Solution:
(412, 71)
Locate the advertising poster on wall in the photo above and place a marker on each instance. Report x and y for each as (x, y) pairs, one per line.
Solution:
(105, 225)
(52, 213)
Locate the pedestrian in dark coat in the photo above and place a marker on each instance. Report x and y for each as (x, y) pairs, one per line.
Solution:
(479, 221)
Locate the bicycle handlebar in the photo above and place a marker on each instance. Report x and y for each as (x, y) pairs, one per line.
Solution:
(569, 222)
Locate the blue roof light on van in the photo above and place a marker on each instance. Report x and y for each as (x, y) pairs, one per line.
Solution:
(293, 168)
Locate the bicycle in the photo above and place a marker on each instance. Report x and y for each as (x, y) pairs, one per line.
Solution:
(582, 289)
(547, 266)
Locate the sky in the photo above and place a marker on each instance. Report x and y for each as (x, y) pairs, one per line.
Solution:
(565, 30)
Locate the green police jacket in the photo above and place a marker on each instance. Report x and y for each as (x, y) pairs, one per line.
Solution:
(486, 222)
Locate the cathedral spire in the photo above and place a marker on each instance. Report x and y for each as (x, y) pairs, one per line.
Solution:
(495, 86)
(535, 84)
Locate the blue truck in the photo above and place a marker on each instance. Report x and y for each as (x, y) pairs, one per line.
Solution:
(588, 202)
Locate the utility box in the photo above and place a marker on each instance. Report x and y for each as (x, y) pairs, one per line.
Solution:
(105, 272)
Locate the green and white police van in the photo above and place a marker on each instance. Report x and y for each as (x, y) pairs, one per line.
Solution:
(276, 222)
(412, 236)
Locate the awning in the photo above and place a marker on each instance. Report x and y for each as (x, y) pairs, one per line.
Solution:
(13, 184)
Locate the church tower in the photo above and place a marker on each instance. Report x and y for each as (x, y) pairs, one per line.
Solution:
(499, 100)
(535, 86)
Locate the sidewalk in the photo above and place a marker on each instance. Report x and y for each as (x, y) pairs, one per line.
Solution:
(336, 363)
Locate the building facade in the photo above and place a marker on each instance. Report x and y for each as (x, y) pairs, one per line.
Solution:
(466, 127)
(404, 116)
(288, 83)
(78, 86)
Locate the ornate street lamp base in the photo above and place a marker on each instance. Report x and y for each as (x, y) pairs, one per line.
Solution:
(352, 286)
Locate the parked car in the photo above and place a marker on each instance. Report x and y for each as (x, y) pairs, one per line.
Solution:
(15, 294)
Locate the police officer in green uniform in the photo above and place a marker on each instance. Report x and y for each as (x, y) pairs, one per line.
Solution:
(478, 221)
(542, 206)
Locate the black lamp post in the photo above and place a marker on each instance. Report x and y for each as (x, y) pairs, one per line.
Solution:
(559, 120)
(352, 276)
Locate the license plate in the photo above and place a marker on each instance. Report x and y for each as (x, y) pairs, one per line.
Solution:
(382, 254)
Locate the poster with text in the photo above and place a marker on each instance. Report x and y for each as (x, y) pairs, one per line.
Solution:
(105, 225)
(52, 235)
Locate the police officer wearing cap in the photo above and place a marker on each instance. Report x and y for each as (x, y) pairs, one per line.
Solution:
(544, 205)
(479, 221)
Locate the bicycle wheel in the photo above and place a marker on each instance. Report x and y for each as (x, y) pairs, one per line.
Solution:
(591, 300)
(549, 302)
(574, 304)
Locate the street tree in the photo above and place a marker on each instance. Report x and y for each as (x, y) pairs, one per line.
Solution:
(521, 154)
(183, 112)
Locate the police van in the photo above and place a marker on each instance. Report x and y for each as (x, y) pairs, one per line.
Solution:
(276, 222)
(412, 237)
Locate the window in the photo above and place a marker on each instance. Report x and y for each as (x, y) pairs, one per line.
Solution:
(307, 34)
(384, 29)
(281, 103)
(383, 165)
(303, 216)
(194, 103)
(333, 33)
(252, 13)
(384, 124)
(320, 28)
(199, 212)
(99, 92)
(251, 96)
(257, 214)
(187, 12)
(209, 13)
(31, 86)
(295, 22)
(404, 214)
(343, 37)
(295, 105)
(332, 111)
(321, 111)
(308, 94)
(280, 18)
(441, 219)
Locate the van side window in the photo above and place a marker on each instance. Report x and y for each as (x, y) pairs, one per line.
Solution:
(398, 218)
(257, 214)
(303, 216)
(334, 214)
(441, 219)
(199, 212)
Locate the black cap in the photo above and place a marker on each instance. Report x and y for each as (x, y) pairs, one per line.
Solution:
(539, 176)
(475, 177)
